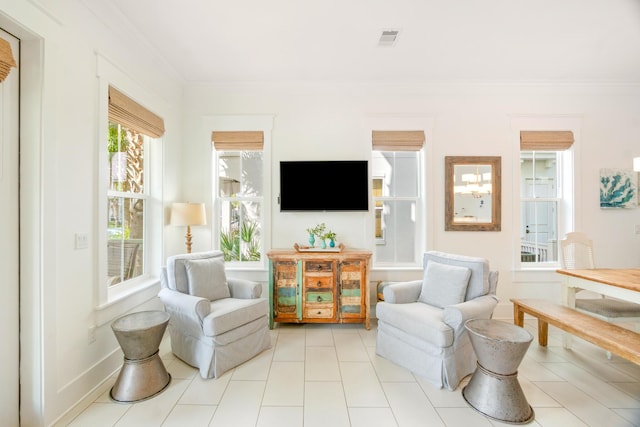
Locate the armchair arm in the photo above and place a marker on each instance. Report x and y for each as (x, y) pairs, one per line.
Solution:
(403, 292)
(477, 308)
(244, 289)
(185, 308)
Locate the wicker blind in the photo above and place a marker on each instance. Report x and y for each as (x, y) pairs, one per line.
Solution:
(397, 140)
(238, 140)
(130, 114)
(542, 140)
(6, 59)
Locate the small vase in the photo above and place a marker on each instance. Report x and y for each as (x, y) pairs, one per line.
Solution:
(323, 244)
(312, 240)
(332, 243)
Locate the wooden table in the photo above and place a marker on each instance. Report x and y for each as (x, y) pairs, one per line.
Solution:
(623, 284)
(618, 283)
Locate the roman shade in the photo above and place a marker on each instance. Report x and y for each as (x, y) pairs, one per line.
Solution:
(238, 140)
(542, 140)
(397, 140)
(130, 114)
(6, 59)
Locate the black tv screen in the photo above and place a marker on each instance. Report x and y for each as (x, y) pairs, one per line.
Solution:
(327, 185)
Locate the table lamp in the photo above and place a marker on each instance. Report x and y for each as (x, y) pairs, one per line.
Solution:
(188, 214)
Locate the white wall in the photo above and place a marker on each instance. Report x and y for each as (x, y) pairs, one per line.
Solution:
(326, 122)
(59, 164)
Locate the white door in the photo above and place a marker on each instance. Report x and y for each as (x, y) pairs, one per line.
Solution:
(9, 245)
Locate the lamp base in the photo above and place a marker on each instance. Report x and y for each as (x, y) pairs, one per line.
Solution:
(188, 239)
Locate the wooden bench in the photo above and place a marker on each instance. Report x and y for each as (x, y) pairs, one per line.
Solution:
(616, 339)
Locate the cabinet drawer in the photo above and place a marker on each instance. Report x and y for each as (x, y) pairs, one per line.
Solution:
(318, 282)
(319, 297)
(318, 312)
(318, 266)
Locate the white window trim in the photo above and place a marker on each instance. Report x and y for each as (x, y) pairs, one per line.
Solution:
(565, 158)
(425, 209)
(262, 123)
(419, 203)
(218, 201)
(114, 301)
(571, 184)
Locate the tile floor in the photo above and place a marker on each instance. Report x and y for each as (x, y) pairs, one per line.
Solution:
(329, 375)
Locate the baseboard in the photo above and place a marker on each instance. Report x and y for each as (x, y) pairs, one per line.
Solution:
(73, 396)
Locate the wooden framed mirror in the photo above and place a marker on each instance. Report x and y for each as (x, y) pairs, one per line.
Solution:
(473, 194)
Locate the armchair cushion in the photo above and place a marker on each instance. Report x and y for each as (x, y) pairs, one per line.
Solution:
(479, 280)
(444, 284)
(177, 271)
(420, 321)
(207, 279)
(231, 313)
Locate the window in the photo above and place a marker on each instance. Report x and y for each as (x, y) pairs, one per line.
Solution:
(126, 204)
(131, 132)
(544, 159)
(397, 196)
(240, 195)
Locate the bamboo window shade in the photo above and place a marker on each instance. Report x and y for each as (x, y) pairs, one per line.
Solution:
(238, 140)
(397, 140)
(542, 140)
(128, 113)
(6, 59)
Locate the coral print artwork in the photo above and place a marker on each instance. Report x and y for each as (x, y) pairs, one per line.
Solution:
(618, 188)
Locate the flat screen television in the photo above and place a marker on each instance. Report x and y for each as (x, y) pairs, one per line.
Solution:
(324, 185)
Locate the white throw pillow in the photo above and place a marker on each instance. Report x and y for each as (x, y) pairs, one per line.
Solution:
(207, 278)
(444, 284)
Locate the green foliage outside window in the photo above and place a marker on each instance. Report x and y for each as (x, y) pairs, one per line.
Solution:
(113, 146)
(230, 242)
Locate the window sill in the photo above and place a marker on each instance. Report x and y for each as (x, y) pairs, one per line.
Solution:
(395, 274)
(124, 298)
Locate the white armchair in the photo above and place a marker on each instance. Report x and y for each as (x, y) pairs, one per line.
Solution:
(217, 323)
(421, 323)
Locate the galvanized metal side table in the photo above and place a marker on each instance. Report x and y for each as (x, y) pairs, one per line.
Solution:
(494, 389)
(143, 374)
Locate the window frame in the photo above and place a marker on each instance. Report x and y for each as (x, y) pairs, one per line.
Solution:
(418, 199)
(561, 159)
(113, 301)
(570, 188)
(144, 196)
(232, 123)
(218, 203)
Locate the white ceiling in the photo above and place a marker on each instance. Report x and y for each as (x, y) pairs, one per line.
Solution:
(440, 40)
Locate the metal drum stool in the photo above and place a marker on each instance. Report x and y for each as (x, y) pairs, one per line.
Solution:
(494, 389)
(143, 374)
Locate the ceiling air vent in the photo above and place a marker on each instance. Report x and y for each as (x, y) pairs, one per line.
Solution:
(388, 37)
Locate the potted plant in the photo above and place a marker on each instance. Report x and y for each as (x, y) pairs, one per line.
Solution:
(332, 238)
(312, 239)
(320, 232)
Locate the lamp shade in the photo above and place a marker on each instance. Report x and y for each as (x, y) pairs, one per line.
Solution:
(636, 164)
(6, 59)
(188, 214)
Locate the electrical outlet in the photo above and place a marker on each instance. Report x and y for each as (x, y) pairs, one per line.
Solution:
(82, 240)
(92, 334)
(637, 228)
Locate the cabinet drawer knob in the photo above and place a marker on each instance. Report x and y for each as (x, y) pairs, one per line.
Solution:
(319, 298)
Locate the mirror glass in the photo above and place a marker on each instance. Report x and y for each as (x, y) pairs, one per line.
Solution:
(472, 193)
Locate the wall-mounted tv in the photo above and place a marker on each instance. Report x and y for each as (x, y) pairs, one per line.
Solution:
(324, 185)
